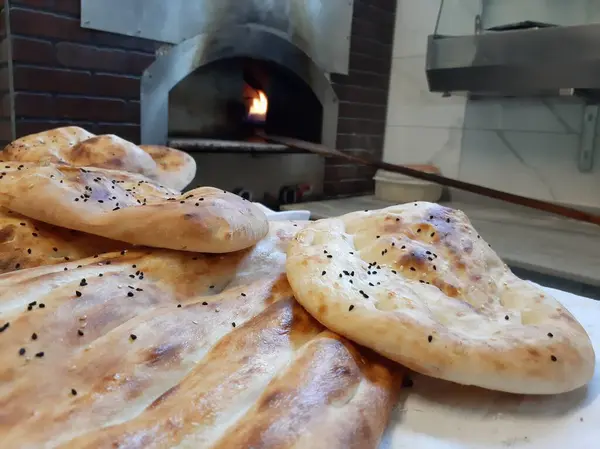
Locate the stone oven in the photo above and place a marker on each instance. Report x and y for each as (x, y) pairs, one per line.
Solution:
(203, 76)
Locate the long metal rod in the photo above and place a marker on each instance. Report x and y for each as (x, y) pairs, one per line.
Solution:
(449, 182)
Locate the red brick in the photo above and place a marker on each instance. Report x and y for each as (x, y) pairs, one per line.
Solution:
(369, 144)
(355, 94)
(47, 25)
(5, 105)
(94, 109)
(30, 105)
(359, 126)
(348, 171)
(33, 51)
(367, 63)
(111, 60)
(5, 132)
(34, 105)
(366, 111)
(4, 79)
(4, 47)
(52, 80)
(127, 42)
(72, 7)
(116, 85)
(2, 23)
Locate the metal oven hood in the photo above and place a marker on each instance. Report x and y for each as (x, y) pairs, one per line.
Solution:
(543, 60)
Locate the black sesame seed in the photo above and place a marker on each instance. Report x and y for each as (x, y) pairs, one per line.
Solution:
(233, 324)
(130, 294)
(413, 269)
(550, 334)
(378, 236)
(329, 256)
(83, 283)
(419, 230)
(22, 351)
(133, 336)
(78, 293)
(394, 271)
(40, 354)
(204, 303)
(506, 317)
(73, 391)
(80, 333)
(179, 306)
(434, 268)
(34, 336)
(243, 294)
(4, 327)
(553, 358)
(432, 234)
(42, 305)
(211, 286)
(323, 273)
(29, 251)
(350, 308)
(430, 338)
(17, 266)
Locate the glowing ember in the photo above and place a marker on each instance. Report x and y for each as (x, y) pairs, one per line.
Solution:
(258, 107)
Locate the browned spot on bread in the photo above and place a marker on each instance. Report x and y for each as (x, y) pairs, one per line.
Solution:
(164, 353)
(7, 233)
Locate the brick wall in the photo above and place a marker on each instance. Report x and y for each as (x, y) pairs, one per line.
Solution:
(65, 74)
(5, 107)
(363, 95)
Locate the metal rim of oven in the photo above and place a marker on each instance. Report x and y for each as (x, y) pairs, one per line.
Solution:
(252, 41)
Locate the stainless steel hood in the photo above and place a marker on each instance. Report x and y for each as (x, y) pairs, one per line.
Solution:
(539, 60)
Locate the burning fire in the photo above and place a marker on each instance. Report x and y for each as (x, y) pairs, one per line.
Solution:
(258, 107)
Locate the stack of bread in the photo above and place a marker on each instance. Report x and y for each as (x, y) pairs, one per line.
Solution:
(136, 316)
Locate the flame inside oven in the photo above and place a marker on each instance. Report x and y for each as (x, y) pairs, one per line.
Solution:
(258, 106)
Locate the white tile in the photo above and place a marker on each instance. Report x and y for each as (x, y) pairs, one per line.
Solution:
(521, 114)
(421, 145)
(458, 17)
(415, 20)
(410, 102)
(538, 165)
(559, 12)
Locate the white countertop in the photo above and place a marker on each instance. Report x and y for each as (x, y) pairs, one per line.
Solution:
(434, 414)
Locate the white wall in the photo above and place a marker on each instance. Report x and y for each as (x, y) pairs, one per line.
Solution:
(524, 146)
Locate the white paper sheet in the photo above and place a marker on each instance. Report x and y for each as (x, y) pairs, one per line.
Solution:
(440, 415)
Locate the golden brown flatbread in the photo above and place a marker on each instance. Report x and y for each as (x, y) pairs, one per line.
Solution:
(162, 349)
(28, 243)
(176, 168)
(419, 285)
(75, 146)
(48, 146)
(131, 208)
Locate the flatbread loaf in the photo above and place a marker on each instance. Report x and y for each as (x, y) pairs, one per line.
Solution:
(419, 285)
(75, 146)
(163, 349)
(176, 168)
(28, 243)
(48, 146)
(131, 208)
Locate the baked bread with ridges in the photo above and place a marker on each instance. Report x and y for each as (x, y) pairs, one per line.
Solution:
(131, 208)
(75, 146)
(164, 349)
(28, 243)
(418, 284)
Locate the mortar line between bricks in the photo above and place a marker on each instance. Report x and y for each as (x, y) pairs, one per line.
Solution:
(76, 95)
(61, 14)
(55, 40)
